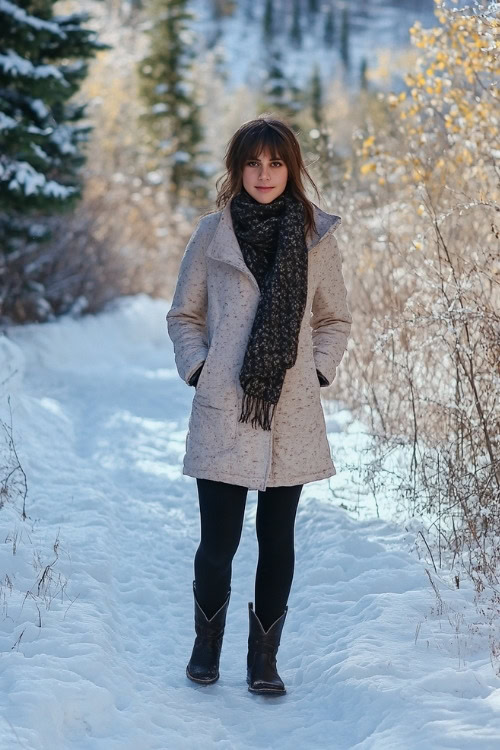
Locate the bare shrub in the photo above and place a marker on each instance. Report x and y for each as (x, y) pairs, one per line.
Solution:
(19, 536)
(420, 232)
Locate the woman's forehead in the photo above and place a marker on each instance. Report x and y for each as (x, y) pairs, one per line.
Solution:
(265, 153)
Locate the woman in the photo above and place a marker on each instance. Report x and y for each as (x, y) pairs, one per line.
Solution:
(259, 321)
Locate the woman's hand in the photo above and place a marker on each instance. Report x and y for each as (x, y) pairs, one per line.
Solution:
(194, 378)
(322, 380)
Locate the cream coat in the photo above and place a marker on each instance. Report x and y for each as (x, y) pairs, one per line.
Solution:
(210, 319)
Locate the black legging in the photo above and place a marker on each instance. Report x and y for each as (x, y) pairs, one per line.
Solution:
(222, 509)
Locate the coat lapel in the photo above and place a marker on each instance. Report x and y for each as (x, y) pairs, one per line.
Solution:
(225, 248)
(224, 245)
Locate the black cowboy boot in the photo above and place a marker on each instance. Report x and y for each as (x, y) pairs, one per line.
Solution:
(203, 665)
(262, 676)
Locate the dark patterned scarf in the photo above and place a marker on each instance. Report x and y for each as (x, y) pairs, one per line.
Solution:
(272, 240)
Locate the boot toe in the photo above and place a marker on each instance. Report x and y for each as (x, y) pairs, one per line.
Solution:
(270, 688)
(201, 675)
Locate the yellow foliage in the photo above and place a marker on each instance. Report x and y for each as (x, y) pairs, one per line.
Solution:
(448, 120)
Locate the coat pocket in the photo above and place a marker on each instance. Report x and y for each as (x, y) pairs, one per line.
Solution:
(212, 429)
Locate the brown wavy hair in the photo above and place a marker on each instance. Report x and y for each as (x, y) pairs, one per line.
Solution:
(275, 135)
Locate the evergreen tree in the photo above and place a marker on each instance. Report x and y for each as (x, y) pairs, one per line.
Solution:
(296, 29)
(362, 74)
(281, 94)
(173, 116)
(319, 140)
(329, 32)
(268, 17)
(317, 97)
(42, 64)
(344, 37)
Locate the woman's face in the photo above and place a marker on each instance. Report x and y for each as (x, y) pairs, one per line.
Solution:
(265, 178)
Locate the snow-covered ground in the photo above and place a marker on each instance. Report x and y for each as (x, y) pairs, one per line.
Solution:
(97, 611)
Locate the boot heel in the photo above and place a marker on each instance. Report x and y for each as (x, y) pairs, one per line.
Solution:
(203, 666)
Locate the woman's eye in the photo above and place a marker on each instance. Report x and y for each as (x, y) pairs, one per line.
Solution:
(277, 163)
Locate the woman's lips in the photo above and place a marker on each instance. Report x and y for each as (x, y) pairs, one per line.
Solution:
(264, 188)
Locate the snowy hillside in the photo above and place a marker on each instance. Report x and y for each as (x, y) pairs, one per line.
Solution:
(335, 35)
(93, 656)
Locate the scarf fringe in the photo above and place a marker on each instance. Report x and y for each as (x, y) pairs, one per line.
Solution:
(262, 411)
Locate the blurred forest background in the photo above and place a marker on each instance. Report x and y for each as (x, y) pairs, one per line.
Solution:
(114, 116)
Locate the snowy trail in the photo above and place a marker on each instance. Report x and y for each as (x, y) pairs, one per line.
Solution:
(100, 418)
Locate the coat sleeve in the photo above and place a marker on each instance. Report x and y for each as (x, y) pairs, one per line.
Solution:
(331, 318)
(186, 319)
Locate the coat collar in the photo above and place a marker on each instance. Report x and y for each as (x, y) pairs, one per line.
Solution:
(225, 248)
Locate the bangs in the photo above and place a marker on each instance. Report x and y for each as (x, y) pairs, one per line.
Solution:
(266, 140)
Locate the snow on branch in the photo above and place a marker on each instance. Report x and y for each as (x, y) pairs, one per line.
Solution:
(15, 65)
(23, 178)
(20, 15)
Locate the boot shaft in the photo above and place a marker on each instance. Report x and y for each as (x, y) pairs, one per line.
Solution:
(261, 641)
(214, 626)
(265, 640)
